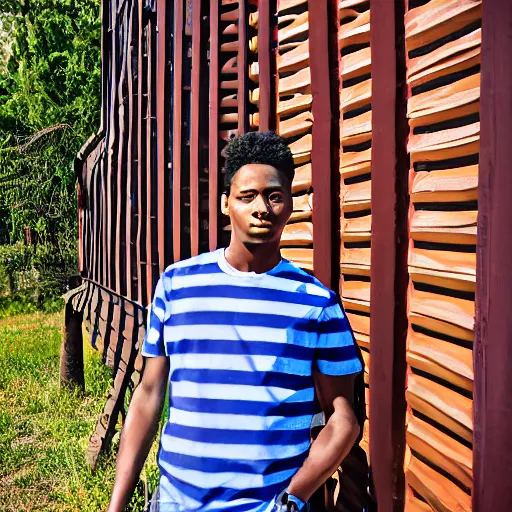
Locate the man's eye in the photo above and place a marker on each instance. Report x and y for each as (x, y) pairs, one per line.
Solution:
(247, 199)
(276, 198)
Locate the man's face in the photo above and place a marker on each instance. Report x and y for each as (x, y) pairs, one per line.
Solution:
(259, 204)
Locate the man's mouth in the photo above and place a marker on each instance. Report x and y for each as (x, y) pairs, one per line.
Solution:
(265, 225)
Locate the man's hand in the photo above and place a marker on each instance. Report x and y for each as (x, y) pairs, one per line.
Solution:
(139, 430)
(335, 395)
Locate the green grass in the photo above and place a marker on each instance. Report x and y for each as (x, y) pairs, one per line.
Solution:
(44, 430)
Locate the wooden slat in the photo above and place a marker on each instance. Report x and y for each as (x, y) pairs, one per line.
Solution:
(438, 491)
(297, 82)
(444, 227)
(440, 450)
(464, 43)
(357, 229)
(302, 180)
(455, 64)
(355, 261)
(356, 96)
(441, 404)
(442, 359)
(357, 196)
(356, 31)
(356, 64)
(296, 24)
(301, 257)
(438, 18)
(297, 103)
(457, 94)
(299, 233)
(447, 315)
(297, 125)
(449, 185)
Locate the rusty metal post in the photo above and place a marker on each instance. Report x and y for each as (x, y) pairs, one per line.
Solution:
(72, 348)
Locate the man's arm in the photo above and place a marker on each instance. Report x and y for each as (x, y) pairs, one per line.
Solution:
(335, 395)
(139, 430)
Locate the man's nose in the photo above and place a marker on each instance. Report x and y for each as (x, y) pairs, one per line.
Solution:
(261, 206)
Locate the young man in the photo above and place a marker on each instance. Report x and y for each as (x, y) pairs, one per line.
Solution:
(247, 341)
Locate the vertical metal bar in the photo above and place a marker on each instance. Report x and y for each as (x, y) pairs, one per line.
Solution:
(321, 149)
(80, 219)
(128, 192)
(96, 213)
(112, 139)
(266, 107)
(194, 127)
(161, 128)
(121, 156)
(105, 6)
(177, 132)
(492, 354)
(389, 278)
(139, 154)
(242, 67)
(213, 128)
(149, 162)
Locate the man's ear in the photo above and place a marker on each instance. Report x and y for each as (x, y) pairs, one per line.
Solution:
(224, 204)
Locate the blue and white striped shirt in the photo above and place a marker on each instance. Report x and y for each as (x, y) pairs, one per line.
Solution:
(242, 349)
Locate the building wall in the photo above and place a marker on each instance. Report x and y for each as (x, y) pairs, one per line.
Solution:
(379, 101)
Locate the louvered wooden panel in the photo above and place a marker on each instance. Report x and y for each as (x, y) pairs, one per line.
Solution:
(294, 123)
(234, 75)
(355, 174)
(443, 65)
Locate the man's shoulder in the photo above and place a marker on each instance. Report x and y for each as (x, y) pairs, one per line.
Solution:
(195, 263)
(308, 283)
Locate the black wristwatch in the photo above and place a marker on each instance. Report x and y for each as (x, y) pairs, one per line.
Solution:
(288, 503)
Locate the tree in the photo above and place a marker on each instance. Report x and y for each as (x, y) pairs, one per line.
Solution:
(49, 106)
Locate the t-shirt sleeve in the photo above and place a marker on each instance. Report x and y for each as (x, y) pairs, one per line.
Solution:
(154, 345)
(335, 353)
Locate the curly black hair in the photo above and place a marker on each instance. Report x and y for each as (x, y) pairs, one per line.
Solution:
(257, 148)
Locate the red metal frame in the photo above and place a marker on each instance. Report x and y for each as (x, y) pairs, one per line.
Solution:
(177, 120)
(129, 205)
(161, 125)
(492, 353)
(266, 109)
(242, 67)
(149, 163)
(139, 155)
(321, 154)
(213, 132)
(121, 154)
(195, 122)
(389, 277)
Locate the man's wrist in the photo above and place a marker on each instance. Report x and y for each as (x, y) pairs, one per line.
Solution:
(301, 505)
(287, 502)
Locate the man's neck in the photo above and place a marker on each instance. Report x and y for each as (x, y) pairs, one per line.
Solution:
(254, 258)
